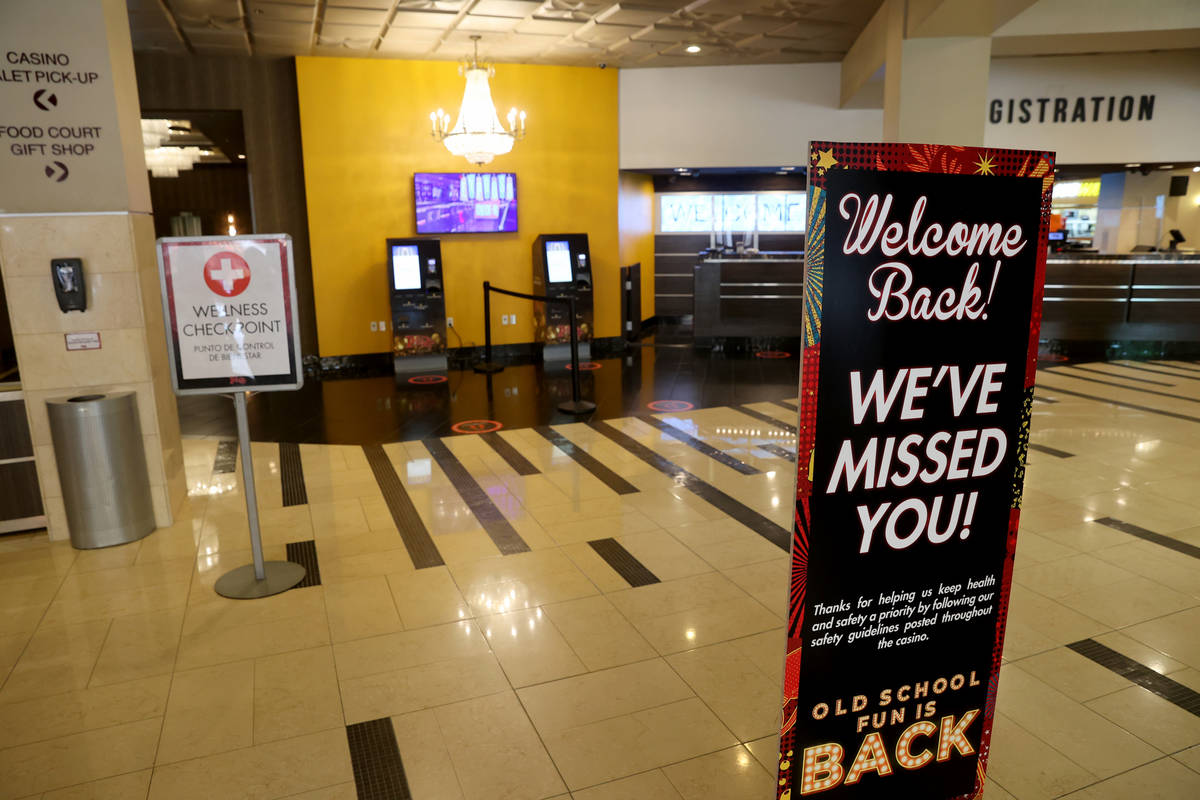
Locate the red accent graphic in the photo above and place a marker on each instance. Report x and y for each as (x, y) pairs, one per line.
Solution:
(670, 405)
(227, 274)
(426, 380)
(587, 366)
(476, 426)
(772, 354)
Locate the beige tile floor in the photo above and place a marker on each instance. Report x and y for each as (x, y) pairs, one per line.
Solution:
(123, 675)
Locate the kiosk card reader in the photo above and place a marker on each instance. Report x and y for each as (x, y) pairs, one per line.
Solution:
(562, 267)
(414, 268)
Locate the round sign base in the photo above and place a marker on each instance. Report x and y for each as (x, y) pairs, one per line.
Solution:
(240, 583)
(577, 407)
(488, 367)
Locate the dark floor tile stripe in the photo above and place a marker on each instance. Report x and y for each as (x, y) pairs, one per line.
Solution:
(510, 454)
(696, 444)
(291, 475)
(1123, 386)
(226, 460)
(1115, 375)
(1174, 366)
(586, 460)
(776, 450)
(305, 554)
(497, 526)
(788, 405)
(1158, 371)
(1050, 451)
(624, 562)
(417, 541)
(1170, 690)
(758, 415)
(375, 758)
(775, 534)
(1150, 536)
(1123, 404)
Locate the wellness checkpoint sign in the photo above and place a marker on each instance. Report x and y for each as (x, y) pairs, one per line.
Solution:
(922, 303)
(229, 303)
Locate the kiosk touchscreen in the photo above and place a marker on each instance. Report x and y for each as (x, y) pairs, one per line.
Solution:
(562, 268)
(414, 268)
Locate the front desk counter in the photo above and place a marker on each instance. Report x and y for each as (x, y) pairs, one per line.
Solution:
(749, 295)
(1130, 297)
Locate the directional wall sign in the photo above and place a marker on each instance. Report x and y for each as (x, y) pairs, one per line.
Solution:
(60, 147)
(922, 302)
(230, 308)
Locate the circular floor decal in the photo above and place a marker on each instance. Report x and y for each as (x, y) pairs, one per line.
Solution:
(425, 380)
(670, 405)
(476, 426)
(772, 354)
(587, 365)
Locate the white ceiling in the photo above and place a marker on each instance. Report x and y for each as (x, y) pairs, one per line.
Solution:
(648, 33)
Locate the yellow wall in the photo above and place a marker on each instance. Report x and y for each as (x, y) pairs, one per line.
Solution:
(636, 217)
(365, 131)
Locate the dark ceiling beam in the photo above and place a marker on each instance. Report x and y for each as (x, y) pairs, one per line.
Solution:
(174, 23)
(246, 27)
(318, 21)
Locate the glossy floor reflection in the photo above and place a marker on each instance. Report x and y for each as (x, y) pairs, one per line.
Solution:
(390, 408)
(628, 646)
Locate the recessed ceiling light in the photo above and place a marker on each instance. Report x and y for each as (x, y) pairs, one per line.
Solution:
(681, 169)
(1166, 166)
(1132, 166)
(1195, 169)
(242, 155)
(786, 169)
(693, 48)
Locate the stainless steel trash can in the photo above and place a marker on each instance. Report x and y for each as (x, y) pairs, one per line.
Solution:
(102, 468)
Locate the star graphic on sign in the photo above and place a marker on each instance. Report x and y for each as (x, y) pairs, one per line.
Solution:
(825, 160)
(985, 165)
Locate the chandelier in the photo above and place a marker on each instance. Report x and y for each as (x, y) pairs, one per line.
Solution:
(478, 134)
(162, 159)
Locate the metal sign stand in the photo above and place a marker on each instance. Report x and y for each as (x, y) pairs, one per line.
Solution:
(262, 578)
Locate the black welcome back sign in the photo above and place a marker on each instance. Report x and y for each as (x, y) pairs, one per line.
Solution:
(923, 294)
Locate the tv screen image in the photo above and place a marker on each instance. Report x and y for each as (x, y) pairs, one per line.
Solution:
(465, 202)
(406, 267)
(558, 262)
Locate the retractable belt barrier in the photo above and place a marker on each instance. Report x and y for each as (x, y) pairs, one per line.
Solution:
(576, 405)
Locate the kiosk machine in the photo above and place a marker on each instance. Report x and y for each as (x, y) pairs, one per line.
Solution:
(418, 305)
(562, 267)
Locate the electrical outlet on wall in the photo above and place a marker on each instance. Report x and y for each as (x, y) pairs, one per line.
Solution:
(374, 325)
(450, 322)
(504, 319)
(383, 324)
(512, 319)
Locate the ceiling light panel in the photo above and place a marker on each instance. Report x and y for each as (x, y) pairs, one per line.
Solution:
(422, 19)
(481, 24)
(548, 27)
(506, 8)
(355, 16)
(279, 11)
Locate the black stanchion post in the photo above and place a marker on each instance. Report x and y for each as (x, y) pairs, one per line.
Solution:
(487, 365)
(576, 406)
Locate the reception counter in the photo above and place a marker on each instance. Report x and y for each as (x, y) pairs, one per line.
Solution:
(749, 295)
(1133, 297)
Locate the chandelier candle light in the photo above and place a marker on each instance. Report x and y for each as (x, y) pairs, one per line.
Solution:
(478, 135)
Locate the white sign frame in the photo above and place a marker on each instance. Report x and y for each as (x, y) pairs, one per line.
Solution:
(185, 385)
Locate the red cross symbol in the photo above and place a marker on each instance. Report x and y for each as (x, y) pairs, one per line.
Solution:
(227, 274)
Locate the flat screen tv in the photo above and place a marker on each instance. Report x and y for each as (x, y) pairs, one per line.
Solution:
(465, 202)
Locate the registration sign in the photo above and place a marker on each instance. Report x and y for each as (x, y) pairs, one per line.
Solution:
(923, 294)
(229, 305)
